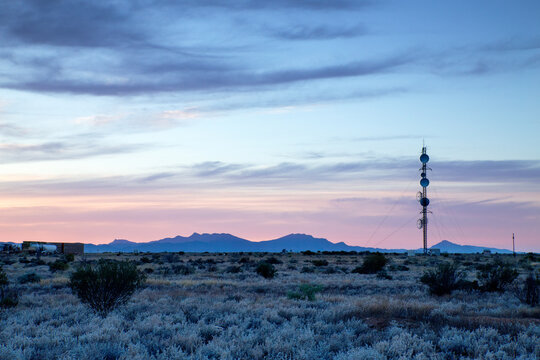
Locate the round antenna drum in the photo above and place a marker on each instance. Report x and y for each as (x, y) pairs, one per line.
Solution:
(424, 158)
(424, 182)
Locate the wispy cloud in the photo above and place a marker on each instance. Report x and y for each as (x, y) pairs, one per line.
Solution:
(209, 80)
(11, 130)
(59, 150)
(144, 48)
(320, 32)
(385, 138)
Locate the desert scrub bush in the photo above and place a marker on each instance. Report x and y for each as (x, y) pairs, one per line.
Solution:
(212, 268)
(383, 275)
(266, 270)
(495, 276)
(171, 258)
(333, 270)
(107, 285)
(307, 269)
(529, 292)
(233, 269)
(8, 297)
(58, 265)
(398, 268)
(305, 292)
(69, 257)
(273, 260)
(30, 277)
(145, 260)
(443, 280)
(244, 260)
(7, 262)
(319, 262)
(36, 262)
(372, 264)
(182, 269)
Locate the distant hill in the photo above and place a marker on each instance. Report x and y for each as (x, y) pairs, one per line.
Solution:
(450, 247)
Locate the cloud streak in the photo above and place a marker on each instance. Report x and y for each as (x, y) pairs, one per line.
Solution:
(59, 150)
(221, 175)
(211, 79)
(321, 32)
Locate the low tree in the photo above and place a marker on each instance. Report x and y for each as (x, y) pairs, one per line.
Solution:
(107, 285)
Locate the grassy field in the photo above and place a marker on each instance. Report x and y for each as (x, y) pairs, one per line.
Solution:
(215, 306)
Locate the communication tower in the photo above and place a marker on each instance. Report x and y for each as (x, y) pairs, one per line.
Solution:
(422, 196)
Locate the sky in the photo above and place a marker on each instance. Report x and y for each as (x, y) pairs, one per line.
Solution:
(148, 119)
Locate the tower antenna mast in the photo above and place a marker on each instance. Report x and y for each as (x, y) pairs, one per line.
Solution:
(422, 196)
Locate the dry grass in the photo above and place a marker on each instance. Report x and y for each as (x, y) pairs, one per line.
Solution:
(216, 314)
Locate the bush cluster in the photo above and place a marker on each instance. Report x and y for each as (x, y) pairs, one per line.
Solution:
(183, 269)
(233, 269)
(529, 292)
(69, 257)
(145, 260)
(320, 262)
(273, 260)
(266, 270)
(373, 263)
(496, 276)
(107, 285)
(31, 277)
(443, 280)
(58, 265)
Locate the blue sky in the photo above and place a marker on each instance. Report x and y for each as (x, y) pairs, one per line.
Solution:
(156, 118)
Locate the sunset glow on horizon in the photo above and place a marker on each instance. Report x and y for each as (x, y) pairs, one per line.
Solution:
(153, 119)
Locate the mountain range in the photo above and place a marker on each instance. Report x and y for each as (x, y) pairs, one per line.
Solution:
(230, 243)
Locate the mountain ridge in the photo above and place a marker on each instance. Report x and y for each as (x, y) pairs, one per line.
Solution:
(224, 242)
(296, 242)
